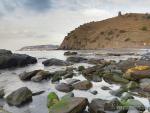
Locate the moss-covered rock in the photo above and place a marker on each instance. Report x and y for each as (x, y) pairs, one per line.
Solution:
(68, 96)
(52, 99)
(72, 105)
(133, 103)
(81, 68)
(137, 73)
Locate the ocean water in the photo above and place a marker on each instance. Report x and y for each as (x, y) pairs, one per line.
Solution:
(10, 81)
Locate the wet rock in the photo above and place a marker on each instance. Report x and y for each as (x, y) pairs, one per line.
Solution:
(132, 85)
(68, 95)
(68, 75)
(94, 73)
(55, 62)
(81, 68)
(72, 105)
(98, 61)
(2, 93)
(69, 53)
(38, 93)
(52, 99)
(137, 73)
(72, 81)
(56, 76)
(83, 85)
(5, 52)
(112, 105)
(114, 78)
(63, 87)
(76, 59)
(28, 75)
(94, 92)
(3, 111)
(9, 60)
(19, 97)
(41, 75)
(133, 103)
(118, 92)
(124, 65)
(145, 85)
(126, 96)
(105, 88)
(97, 106)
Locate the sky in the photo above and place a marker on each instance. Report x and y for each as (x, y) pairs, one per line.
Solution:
(39, 22)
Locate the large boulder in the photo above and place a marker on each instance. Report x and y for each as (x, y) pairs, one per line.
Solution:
(41, 75)
(9, 60)
(137, 73)
(28, 75)
(19, 97)
(83, 85)
(55, 62)
(76, 59)
(72, 105)
(63, 87)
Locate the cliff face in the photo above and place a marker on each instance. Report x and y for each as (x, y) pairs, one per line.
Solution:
(124, 31)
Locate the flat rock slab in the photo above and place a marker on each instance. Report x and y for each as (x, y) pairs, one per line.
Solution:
(73, 105)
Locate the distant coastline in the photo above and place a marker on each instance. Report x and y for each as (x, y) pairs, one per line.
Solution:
(39, 48)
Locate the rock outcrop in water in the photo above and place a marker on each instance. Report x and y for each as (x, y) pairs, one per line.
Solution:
(10, 60)
(125, 31)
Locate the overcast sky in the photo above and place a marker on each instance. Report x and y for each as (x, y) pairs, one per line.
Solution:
(36, 22)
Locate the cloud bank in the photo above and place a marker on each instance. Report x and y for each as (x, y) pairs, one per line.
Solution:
(34, 22)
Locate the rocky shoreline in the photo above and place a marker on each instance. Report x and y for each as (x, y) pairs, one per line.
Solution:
(131, 75)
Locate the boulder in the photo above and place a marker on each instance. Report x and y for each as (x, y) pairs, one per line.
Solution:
(72, 105)
(2, 93)
(55, 62)
(52, 99)
(41, 75)
(137, 73)
(69, 53)
(15, 60)
(28, 75)
(19, 97)
(76, 59)
(83, 85)
(63, 87)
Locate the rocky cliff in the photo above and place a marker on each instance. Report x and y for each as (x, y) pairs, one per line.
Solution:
(124, 31)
